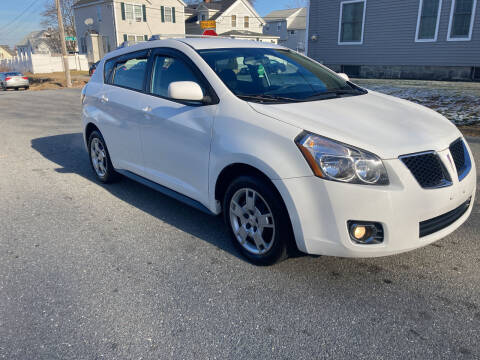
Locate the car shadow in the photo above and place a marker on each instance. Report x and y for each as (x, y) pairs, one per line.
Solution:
(68, 151)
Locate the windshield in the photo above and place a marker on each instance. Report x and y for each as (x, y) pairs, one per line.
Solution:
(265, 74)
(13, 74)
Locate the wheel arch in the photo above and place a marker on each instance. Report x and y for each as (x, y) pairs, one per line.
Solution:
(232, 171)
(91, 127)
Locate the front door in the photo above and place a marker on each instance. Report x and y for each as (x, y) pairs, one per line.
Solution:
(176, 135)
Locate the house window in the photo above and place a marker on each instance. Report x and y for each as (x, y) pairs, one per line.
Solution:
(292, 32)
(129, 11)
(279, 26)
(351, 22)
(131, 38)
(203, 17)
(234, 20)
(428, 19)
(246, 22)
(461, 20)
(138, 13)
(168, 14)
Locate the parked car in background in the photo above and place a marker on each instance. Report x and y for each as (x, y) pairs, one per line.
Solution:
(92, 68)
(293, 154)
(13, 80)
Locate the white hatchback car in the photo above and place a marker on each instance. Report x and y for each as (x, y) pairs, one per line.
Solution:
(293, 154)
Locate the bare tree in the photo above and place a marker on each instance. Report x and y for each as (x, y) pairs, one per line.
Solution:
(49, 20)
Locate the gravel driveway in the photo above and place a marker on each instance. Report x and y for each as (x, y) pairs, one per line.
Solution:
(89, 271)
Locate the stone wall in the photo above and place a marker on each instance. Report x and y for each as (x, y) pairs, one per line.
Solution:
(444, 73)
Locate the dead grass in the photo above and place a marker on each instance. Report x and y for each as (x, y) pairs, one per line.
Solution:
(470, 130)
(57, 80)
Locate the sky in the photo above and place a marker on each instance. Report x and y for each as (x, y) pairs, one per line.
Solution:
(20, 17)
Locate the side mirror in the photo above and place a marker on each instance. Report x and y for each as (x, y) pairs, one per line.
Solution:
(344, 76)
(185, 90)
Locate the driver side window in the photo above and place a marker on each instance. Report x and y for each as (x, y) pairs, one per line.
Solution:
(167, 70)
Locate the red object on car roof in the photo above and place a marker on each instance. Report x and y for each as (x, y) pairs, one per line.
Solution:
(210, 32)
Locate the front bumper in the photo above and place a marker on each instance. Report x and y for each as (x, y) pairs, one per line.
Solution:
(319, 211)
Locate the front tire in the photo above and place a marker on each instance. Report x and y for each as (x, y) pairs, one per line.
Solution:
(100, 158)
(258, 220)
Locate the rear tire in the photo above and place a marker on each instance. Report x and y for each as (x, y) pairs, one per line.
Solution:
(16, 89)
(27, 87)
(258, 220)
(100, 158)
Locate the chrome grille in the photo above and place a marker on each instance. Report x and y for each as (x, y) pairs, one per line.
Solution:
(427, 169)
(461, 158)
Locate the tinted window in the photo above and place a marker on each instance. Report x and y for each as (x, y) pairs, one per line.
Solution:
(13, 74)
(167, 70)
(130, 73)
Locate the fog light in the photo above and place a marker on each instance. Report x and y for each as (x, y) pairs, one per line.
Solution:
(365, 232)
(359, 232)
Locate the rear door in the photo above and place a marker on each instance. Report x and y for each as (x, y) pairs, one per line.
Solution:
(120, 116)
(176, 135)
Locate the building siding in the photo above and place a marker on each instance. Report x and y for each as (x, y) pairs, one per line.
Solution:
(389, 37)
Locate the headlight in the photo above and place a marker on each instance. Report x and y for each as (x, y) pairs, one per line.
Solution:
(332, 160)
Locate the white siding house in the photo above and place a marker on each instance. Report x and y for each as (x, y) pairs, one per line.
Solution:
(289, 25)
(103, 25)
(234, 18)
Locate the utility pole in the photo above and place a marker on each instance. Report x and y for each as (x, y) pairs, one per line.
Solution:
(64, 45)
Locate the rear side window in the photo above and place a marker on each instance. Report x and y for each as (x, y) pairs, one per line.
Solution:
(167, 70)
(128, 72)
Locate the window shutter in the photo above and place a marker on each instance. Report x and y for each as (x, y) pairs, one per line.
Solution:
(122, 6)
(125, 38)
(162, 10)
(173, 14)
(145, 37)
(144, 8)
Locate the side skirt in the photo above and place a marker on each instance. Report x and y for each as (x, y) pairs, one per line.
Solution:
(166, 191)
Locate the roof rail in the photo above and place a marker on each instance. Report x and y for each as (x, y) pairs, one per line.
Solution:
(183, 36)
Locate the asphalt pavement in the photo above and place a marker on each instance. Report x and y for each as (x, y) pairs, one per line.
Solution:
(92, 271)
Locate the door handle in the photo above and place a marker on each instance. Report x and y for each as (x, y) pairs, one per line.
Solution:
(104, 99)
(147, 109)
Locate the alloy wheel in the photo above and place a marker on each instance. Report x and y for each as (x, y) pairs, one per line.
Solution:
(99, 157)
(252, 221)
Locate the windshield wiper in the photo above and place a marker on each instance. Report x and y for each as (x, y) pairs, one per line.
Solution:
(267, 97)
(334, 93)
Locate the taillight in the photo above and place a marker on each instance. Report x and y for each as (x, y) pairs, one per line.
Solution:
(25, 78)
(8, 78)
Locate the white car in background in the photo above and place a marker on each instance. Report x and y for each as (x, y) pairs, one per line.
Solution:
(13, 80)
(293, 154)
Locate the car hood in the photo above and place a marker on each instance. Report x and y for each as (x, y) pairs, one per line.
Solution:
(382, 124)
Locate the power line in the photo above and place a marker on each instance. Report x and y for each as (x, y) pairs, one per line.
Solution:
(18, 28)
(18, 16)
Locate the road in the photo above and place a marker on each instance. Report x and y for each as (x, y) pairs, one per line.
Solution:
(90, 271)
